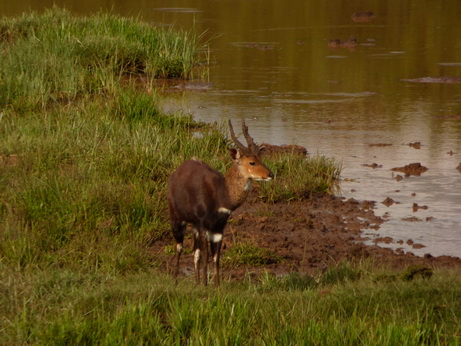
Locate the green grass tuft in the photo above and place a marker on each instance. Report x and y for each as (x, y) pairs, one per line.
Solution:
(244, 253)
(298, 177)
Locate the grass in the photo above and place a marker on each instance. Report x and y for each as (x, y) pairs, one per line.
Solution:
(245, 253)
(84, 159)
(62, 307)
(79, 179)
(299, 178)
(56, 57)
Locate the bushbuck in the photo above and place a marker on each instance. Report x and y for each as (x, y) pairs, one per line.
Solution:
(203, 197)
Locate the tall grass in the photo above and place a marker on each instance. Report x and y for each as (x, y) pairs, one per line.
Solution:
(79, 180)
(57, 57)
(84, 157)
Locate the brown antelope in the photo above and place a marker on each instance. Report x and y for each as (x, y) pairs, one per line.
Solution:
(203, 197)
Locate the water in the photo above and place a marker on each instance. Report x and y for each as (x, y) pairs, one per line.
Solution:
(275, 66)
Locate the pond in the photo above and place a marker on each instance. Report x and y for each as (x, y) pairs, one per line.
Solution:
(374, 84)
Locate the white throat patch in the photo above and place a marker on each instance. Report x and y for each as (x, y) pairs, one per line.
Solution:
(248, 185)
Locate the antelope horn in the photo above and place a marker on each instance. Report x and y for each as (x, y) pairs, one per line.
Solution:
(234, 138)
(252, 146)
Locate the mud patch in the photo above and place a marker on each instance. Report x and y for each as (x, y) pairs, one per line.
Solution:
(307, 237)
(337, 43)
(373, 165)
(388, 202)
(411, 219)
(415, 145)
(270, 149)
(416, 207)
(362, 16)
(412, 169)
(9, 160)
(380, 144)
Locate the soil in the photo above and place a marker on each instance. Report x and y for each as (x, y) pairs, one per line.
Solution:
(270, 149)
(412, 169)
(373, 165)
(362, 16)
(307, 237)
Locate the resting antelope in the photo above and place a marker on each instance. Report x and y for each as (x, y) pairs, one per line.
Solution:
(203, 197)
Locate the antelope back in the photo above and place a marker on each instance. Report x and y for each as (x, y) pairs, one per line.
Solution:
(196, 191)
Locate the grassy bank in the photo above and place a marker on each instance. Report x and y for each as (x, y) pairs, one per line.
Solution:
(56, 57)
(85, 155)
(84, 158)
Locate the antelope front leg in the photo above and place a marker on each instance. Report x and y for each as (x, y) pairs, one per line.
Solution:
(178, 257)
(216, 254)
(197, 255)
(204, 248)
(178, 233)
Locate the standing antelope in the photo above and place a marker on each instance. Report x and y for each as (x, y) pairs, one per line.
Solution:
(203, 197)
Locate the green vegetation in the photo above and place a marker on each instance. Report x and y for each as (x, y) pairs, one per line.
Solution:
(84, 158)
(245, 253)
(299, 178)
(68, 307)
(58, 58)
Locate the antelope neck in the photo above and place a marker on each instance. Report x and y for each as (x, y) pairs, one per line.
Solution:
(237, 185)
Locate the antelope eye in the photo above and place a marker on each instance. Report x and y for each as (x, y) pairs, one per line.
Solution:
(252, 163)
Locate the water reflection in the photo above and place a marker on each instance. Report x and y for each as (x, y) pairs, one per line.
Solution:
(276, 67)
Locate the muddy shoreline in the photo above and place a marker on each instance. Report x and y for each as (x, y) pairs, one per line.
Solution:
(306, 237)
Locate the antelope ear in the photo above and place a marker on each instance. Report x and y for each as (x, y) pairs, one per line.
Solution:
(234, 153)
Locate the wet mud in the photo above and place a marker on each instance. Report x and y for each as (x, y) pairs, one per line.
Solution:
(349, 43)
(307, 237)
(362, 16)
(270, 149)
(411, 169)
(373, 165)
(388, 202)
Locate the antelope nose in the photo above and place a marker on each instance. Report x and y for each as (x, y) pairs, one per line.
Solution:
(271, 175)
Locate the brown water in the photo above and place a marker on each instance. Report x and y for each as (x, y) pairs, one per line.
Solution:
(274, 67)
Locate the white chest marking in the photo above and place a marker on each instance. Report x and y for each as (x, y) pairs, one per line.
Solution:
(214, 237)
(224, 210)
